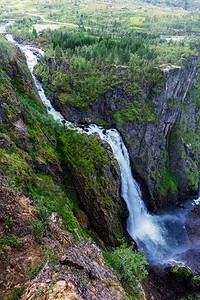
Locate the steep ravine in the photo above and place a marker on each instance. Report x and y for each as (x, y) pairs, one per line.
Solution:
(158, 122)
(172, 282)
(172, 275)
(72, 282)
(43, 231)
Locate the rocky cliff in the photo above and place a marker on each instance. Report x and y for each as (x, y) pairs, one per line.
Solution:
(96, 176)
(158, 122)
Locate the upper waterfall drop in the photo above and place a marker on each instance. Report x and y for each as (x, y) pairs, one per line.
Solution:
(162, 236)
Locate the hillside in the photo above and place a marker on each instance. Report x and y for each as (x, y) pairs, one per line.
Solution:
(186, 4)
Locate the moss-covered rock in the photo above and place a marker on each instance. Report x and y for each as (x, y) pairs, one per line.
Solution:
(181, 274)
(96, 175)
(195, 283)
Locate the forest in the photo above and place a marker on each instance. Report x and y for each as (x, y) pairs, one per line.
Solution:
(99, 59)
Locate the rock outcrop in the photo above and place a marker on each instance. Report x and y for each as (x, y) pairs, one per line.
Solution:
(193, 224)
(81, 273)
(54, 267)
(158, 124)
(96, 176)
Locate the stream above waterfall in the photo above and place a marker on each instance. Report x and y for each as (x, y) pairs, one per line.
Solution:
(163, 236)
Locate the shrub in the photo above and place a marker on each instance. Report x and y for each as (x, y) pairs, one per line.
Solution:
(9, 239)
(38, 229)
(15, 294)
(130, 267)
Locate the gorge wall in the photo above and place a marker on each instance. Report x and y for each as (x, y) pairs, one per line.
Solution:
(158, 122)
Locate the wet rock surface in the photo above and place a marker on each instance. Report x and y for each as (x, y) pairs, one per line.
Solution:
(170, 283)
(176, 281)
(193, 224)
(191, 258)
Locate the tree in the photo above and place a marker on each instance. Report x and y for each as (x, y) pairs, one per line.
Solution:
(34, 33)
(58, 51)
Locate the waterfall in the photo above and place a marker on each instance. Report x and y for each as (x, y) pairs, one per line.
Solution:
(162, 236)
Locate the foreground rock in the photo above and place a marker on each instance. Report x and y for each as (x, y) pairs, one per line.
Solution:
(81, 273)
(53, 267)
(21, 255)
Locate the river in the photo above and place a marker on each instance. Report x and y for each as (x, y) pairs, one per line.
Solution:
(163, 236)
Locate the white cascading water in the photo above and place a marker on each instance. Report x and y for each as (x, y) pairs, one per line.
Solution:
(162, 236)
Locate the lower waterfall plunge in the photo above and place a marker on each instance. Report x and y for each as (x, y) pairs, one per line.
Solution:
(162, 236)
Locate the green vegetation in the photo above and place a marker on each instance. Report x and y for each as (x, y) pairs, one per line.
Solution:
(130, 267)
(112, 45)
(186, 4)
(55, 197)
(195, 282)
(183, 272)
(20, 160)
(191, 297)
(83, 153)
(168, 184)
(38, 229)
(197, 92)
(15, 293)
(9, 239)
(90, 65)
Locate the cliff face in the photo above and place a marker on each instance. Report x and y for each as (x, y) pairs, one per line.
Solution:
(96, 176)
(159, 124)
